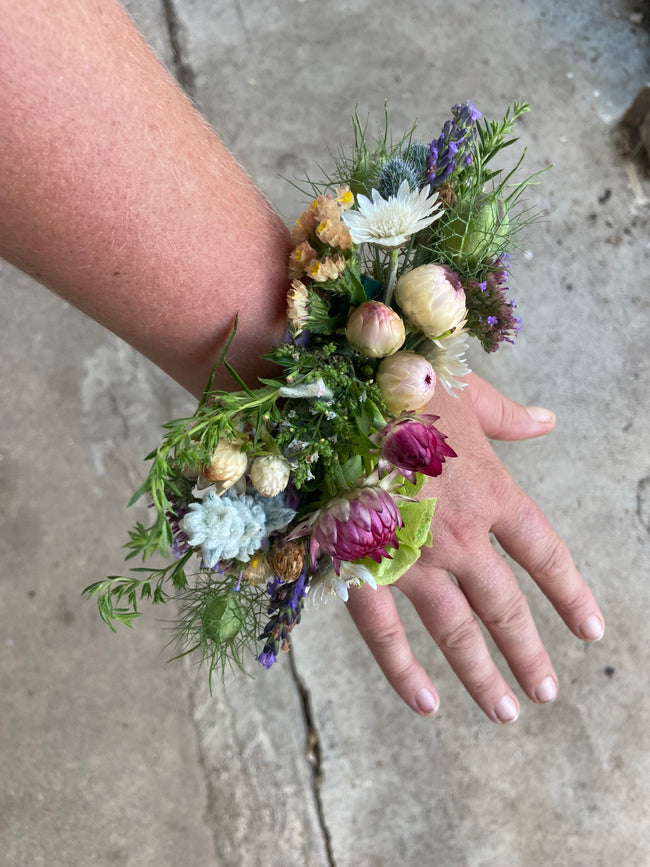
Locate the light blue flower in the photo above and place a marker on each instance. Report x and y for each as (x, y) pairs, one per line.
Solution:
(233, 527)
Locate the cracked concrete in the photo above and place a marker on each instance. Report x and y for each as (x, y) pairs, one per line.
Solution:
(316, 762)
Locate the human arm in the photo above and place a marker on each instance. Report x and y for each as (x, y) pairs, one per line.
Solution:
(116, 194)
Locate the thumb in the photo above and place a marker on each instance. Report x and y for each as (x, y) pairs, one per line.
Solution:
(504, 419)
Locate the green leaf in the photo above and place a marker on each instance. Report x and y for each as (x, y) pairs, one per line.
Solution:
(415, 533)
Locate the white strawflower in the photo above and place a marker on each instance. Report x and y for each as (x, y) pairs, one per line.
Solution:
(389, 223)
(269, 475)
(407, 382)
(432, 299)
(448, 361)
(227, 464)
(375, 329)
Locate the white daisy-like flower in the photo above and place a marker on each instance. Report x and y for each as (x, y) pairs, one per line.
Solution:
(389, 223)
(326, 582)
(448, 361)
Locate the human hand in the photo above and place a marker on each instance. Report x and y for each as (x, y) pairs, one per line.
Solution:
(477, 496)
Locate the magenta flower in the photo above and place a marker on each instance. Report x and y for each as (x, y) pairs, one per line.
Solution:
(359, 524)
(412, 444)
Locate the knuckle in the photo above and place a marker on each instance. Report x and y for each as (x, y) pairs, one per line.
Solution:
(460, 636)
(466, 526)
(571, 605)
(385, 637)
(512, 617)
(483, 684)
(530, 666)
(555, 560)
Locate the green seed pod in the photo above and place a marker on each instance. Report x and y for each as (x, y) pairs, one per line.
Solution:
(222, 617)
(476, 233)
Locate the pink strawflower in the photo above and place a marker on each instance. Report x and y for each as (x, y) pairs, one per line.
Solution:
(374, 329)
(412, 444)
(407, 381)
(359, 524)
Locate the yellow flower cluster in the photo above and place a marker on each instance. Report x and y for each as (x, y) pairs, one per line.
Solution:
(321, 240)
(321, 225)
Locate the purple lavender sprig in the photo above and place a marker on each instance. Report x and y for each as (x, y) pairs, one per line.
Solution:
(452, 150)
(287, 601)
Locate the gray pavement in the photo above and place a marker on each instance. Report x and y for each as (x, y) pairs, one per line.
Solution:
(110, 756)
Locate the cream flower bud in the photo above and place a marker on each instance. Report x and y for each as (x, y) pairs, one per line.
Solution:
(227, 464)
(433, 299)
(269, 475)
(375, 330)
(407, 382)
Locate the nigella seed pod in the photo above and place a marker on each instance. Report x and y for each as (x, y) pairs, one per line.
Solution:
(375, 330)
(222, 617)
(227, 464)
(477, 234)
(433, 299)
(270, 475)
(407, 382)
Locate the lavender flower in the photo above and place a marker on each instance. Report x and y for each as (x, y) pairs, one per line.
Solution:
(453, 148)
(285, 608)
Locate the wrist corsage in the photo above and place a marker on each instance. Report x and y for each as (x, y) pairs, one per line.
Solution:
(308, 484)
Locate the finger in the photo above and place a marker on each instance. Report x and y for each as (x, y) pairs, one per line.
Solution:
(377, 619)
(528, 538)
(504, 419)
(445, 612)
(492, 591)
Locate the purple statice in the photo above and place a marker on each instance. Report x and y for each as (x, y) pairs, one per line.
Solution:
(452, 149)
(285, 607)
(490, 314)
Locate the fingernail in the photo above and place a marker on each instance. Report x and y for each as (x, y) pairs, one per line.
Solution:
(546, 691)
(592, 629)
(538, 413)
(506, 710)
(426, 701)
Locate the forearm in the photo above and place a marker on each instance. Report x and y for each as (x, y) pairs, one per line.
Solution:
(115, 194)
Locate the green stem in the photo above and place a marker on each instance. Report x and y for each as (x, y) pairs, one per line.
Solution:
(391, 276)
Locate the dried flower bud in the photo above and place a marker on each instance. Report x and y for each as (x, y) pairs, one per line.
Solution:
(407, 382)
(257, 570)
(227, 464)
(269, 475)
(375, 330)
(287, 560)
(433, 299)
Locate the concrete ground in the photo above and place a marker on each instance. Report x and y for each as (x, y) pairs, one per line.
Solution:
(110, 756)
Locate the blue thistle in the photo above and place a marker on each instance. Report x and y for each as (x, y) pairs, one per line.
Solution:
(452, 150)
(287, 601)
(395, 171)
